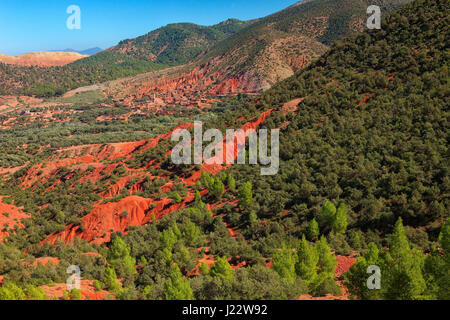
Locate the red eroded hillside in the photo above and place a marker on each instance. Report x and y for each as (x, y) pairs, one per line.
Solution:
(130, 210)
(191, 85)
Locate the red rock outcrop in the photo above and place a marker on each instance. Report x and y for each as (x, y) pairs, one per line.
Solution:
(133, 210)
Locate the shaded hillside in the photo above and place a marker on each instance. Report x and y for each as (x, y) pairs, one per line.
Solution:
(178, 43)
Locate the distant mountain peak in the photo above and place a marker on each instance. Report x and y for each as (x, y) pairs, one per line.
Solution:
(88, 52)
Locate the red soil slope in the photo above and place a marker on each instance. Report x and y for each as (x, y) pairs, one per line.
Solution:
(88, 292)
(132, 210)
(10, 216)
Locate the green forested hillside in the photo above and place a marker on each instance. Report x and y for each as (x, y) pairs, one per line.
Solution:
(372, 130)
(178, 43)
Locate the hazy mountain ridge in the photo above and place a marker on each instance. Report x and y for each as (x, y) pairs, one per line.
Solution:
(89, 52)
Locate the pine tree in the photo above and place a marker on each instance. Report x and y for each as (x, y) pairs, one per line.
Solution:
(97, 285)
(231, 183)
(191, 233)
(284, 261)
(143, 261)
(308, 258)
(356, 278)
(222, 269)
(177, 197)
(252, 218)
(313, 230)
(340, 220)
(327, 213)
(197, 198)
(204, 269)
(168, 239)
(206, 179)
(245, 195)
(327, 262)
(324, 282)
(119, 257)
(405, 279)
(176, 231)
(217, 188)
(75, 294)
(399, 242)
(35, 294)
(110, 280)
(444, 239)
(444, 266)
(176, 287)
(10, 291)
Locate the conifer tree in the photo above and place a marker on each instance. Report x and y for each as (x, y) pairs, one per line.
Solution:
(284, 261)
(177, 197)
(405, 279)
(437, 276)
(356, 278)
(231, 183)
(252, 217)
(325, 270)
(206, 179)
(245, 195)
(327, 213)
(443, 266)
(313, 230)
(119, 257)
(33, 293)
(340, 220)
(10, 291)
(191, 232)
(197, 198)
(327, 262)
(222, 269)
(176, 287)
(204, 269)
(308, 258)
(168, 239)
(110, 280)
(217, 188)
(444, 240)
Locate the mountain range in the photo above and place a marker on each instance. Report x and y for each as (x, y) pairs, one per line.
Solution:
(232, 56)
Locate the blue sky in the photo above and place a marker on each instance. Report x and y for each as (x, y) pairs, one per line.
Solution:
(40, 25)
